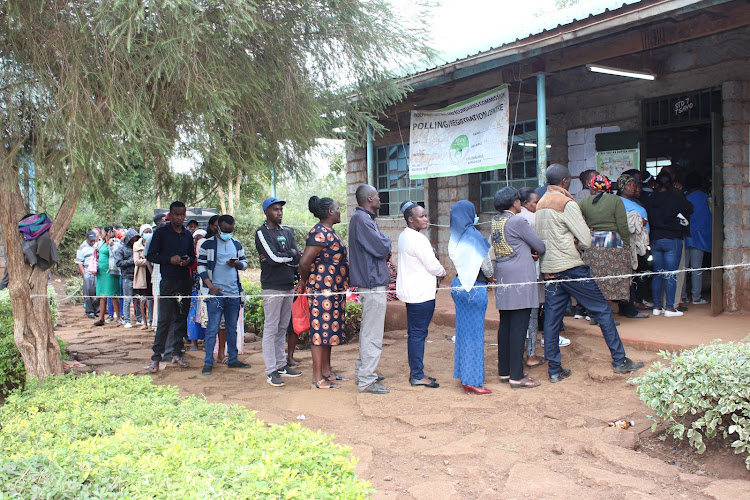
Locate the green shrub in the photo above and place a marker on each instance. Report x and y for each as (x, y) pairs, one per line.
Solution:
(254, 316)
(74, 290)
(123, 437)
(702, 393)
(353, 319)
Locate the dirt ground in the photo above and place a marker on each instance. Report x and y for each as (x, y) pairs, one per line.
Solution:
(548, 442)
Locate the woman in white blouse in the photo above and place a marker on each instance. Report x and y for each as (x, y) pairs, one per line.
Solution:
(416, 285)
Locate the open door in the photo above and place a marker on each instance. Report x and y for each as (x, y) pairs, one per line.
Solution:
(717, 205)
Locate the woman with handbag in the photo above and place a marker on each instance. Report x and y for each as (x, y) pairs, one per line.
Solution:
(107, 283)
(324, 267)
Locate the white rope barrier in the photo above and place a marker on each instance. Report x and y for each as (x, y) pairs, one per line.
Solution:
(489, 285)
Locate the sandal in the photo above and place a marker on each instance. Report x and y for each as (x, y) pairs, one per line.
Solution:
(325, 384)
(541, 360)
(336, 377)
(180, 361)
(506, 379)
(525, 383)
(99, 323)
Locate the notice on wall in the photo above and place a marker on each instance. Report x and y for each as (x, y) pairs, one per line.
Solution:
(613, 163)
(469, 136)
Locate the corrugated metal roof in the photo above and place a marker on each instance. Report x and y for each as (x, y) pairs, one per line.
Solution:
(570, 29)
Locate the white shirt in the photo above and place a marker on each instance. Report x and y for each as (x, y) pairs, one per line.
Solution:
(417, 268)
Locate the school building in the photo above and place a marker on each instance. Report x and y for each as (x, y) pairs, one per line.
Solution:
(694, 114)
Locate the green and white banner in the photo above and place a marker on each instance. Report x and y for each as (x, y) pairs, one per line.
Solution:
(470, 136)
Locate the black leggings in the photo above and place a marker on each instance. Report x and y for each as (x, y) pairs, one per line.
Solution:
(511, 339)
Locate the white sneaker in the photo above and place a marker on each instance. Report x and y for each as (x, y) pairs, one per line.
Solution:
(657, 312)
(128, 325)
(578, 316)
(648, 304)
(699, 302)
(672, 314)
(562, 342)
(139, 323)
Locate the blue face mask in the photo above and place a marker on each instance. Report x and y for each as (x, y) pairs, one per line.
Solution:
(226, 236)
(476, 220)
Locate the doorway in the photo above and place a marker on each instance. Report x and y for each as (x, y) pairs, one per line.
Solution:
(684, 132)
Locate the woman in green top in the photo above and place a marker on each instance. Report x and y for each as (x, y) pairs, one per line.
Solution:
(107, 284)
(609, 254)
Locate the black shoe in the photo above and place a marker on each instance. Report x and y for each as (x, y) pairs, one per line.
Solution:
(274, 378)
(628, 366)
(288, 371)
(433, 383)
(238, 364)
(375, 388)
(559, 376)
(207, 370)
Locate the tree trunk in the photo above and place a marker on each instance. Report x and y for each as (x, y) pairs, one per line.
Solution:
(230, 196)
(222, 199)
(238, 183)
(33, 330)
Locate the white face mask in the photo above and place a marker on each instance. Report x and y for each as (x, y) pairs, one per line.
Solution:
(476, 220)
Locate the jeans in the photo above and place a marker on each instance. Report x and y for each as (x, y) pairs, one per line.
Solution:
(127, 292)
(277, 310)
(173, 315)
(216, 307)
(694, 260)
(374, 302)
(510, 339)
(667, 253)
(588, 294)
(418, 317)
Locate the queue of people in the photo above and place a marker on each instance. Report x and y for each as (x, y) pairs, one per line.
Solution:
(542, 252)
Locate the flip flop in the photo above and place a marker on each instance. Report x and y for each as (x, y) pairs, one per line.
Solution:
(541, 362)
(336, 377)
(325, 384)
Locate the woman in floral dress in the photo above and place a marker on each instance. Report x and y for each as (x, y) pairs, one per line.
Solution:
(324, 268)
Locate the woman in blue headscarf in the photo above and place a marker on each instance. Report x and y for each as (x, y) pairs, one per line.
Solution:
(469, 251)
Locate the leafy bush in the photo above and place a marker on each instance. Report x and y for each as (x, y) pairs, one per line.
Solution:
(124, 437)
(353, 319)
(12, 370)
(702, 393)
(254, 316)
(74, 290)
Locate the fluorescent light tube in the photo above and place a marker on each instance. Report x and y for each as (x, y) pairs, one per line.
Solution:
(620, 72)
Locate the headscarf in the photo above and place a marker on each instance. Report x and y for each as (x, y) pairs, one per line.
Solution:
(623, 181)
(602, 184)
(143, 228)
(467, 247)
(199, 232)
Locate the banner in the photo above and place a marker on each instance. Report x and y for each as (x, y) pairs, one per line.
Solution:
(470, 136)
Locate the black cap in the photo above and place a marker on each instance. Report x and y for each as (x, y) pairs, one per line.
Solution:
(91, 236)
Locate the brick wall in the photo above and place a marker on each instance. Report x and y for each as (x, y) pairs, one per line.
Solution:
(736, 114)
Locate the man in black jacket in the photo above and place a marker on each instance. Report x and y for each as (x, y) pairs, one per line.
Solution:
(172, 248)
(279, 258)
(124, 260)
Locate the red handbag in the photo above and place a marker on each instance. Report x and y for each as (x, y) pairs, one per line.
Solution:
(301, 315)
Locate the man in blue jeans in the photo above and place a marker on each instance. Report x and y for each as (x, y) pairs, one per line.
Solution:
(219, 259)
(561, 226)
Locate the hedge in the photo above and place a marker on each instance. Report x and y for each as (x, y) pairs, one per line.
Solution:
(702, 394)
(124, 437)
